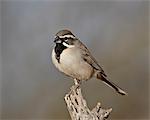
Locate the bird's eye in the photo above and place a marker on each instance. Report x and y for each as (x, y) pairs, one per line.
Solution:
(65, 38)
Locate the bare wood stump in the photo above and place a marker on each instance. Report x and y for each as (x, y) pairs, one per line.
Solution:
(78, 108)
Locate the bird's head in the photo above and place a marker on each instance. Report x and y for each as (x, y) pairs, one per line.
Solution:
(66, 38)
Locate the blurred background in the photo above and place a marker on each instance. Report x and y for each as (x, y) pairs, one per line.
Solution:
(115, 32)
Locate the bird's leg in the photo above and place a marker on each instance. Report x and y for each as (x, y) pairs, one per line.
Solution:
(76, 84)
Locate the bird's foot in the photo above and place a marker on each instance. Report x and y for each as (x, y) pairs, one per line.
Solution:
(77, 82)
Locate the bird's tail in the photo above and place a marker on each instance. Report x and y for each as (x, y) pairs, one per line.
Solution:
(111, 84)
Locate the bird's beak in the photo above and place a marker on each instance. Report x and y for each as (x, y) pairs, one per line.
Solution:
(57, 39)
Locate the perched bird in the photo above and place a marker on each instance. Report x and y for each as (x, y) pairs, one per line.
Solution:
(73, 58)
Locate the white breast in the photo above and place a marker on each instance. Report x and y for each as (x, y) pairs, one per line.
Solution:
(72, 64)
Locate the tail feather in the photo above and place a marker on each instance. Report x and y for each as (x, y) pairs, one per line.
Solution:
(112, 85)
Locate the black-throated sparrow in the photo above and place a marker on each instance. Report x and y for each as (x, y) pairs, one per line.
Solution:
(73, 58)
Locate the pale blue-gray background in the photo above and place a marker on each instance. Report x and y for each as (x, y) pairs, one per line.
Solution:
(115, 32)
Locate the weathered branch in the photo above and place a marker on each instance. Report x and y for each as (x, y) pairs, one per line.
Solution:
(78, 108)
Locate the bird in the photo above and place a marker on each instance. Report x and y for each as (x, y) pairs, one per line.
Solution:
(71, 57)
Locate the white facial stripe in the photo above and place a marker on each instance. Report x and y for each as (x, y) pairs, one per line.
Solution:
(68, 46)
(67, 36)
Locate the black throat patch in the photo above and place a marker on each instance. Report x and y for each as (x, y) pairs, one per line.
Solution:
(58, 50)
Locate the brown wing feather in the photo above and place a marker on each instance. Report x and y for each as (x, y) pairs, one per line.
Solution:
(89, 58)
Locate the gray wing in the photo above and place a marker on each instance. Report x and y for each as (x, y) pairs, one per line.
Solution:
(86, 55)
